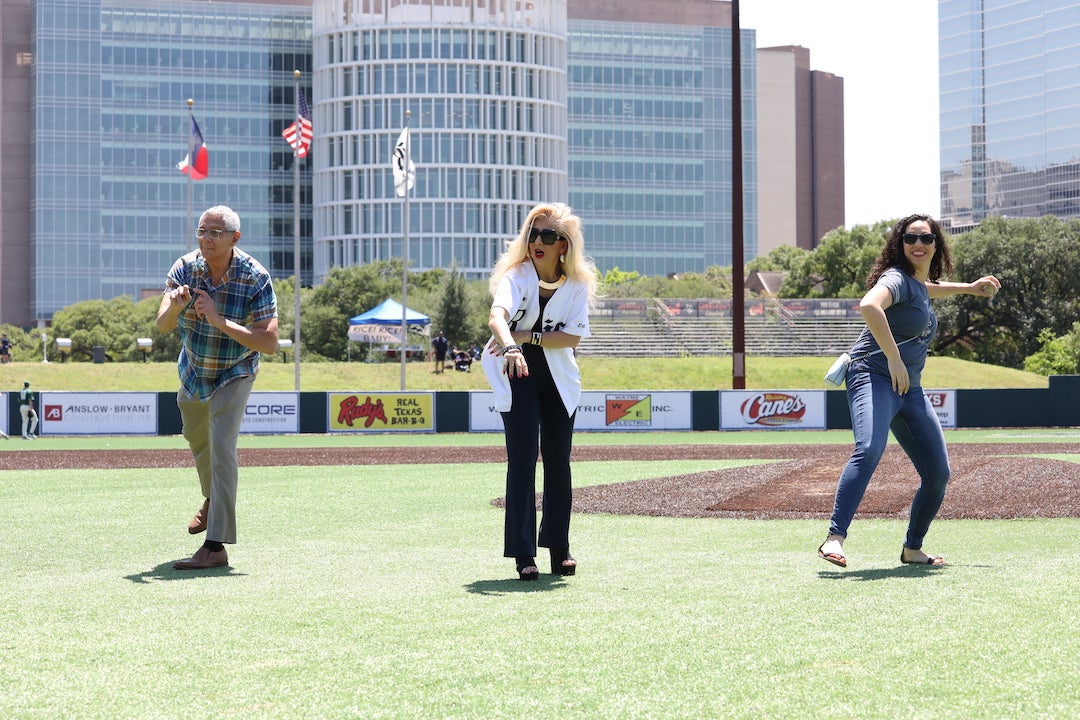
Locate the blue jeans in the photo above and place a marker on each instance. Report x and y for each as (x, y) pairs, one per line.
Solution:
(875, 409)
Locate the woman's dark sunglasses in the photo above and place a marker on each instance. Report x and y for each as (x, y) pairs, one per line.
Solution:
(547, 236)
(924, 238)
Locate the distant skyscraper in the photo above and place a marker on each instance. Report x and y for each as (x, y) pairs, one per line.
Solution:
(110, 123)
(1009, 108)
(800, 150)
(622, 109)
(484, 82)
(650, 133)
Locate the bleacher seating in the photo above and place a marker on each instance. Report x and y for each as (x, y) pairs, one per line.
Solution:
(664, 335)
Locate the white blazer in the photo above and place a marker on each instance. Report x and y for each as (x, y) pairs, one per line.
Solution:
(567, 310)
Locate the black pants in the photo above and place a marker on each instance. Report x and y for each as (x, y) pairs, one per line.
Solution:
(537, 422)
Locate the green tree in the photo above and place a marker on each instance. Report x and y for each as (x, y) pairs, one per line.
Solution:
(349, 291)
(452, 317)
(25, 344)
(615, 282)
(165, 347)
(839, 266)
(1058, 355)
(479, 298)
(780, 259)
(284, 289)
(1038, 263)
(715, 282)
(113, 324)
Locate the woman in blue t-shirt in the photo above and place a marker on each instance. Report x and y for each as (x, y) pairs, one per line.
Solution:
(884, 383)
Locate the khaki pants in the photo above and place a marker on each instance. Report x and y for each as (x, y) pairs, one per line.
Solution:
(211, 428)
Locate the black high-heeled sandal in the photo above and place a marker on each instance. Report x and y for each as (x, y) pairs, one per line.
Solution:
(559, 558)
(523, 563)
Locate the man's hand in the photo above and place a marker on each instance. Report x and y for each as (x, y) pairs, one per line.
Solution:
(173, 303)
(205, 308)
(179, 297)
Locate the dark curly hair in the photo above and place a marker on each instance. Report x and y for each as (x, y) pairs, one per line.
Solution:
(892, 255)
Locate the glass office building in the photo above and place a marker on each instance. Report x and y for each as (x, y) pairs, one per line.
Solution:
(650, 144)
(111, 211)
(515, 103)
(1010, 109)
(625, 115)
(484, 82)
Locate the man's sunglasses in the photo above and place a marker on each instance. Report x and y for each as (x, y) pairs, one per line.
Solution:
(924, 238)
(547, 236)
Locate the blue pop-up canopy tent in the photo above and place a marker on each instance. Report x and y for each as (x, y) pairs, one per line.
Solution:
(382, 324)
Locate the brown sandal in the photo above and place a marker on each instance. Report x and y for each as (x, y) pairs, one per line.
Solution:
(930, 559)
(834, 558)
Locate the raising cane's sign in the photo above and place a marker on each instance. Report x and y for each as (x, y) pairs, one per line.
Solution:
(772, 410)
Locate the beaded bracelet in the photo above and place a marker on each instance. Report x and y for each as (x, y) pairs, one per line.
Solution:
(508, 348)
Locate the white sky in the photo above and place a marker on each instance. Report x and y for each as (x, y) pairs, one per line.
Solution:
(886, 52)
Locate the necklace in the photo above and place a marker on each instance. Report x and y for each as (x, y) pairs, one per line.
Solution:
(553, 285)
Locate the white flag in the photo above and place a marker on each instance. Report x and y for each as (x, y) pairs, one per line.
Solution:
(401, 162)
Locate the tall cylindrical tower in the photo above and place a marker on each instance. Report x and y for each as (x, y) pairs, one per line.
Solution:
(486, 86)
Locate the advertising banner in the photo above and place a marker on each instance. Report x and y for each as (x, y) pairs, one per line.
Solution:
(381, 412)
(384, 334)
(714, 308)
(682, 308)
(617, 308)
(98, 413)
(483, 417)
(271, 413)
(602, 411)
(944, 404)
(772, 410)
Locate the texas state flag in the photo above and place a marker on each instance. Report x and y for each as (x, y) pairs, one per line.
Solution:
(200, 168)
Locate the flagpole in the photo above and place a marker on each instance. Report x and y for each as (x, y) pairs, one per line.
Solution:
(405, 257)
(296, 233)
(738, 307)
(191, 159)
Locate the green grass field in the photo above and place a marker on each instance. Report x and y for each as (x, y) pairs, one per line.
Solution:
(379, 592)
(597, 373)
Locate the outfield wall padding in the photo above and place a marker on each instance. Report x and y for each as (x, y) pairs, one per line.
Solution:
(1055, 406)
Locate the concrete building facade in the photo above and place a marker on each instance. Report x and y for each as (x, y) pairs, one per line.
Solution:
(800, 149)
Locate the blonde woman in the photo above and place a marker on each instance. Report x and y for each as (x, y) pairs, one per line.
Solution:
(542, 288)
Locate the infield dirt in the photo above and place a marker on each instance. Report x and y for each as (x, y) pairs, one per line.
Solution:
(988, 480)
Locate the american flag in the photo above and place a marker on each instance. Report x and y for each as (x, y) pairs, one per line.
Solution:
(298, 135)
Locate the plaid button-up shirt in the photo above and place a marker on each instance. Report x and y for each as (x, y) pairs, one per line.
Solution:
(208, 357)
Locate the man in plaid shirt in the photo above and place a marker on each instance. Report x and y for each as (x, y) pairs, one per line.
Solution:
(222, 301)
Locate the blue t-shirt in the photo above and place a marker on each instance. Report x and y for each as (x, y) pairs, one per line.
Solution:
(909, 316)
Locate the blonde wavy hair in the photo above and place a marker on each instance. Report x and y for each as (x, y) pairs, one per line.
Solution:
(574, 263)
